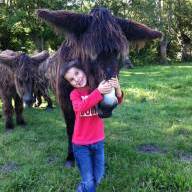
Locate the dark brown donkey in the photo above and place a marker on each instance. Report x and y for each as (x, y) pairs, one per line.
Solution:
(41, 85)
(99, 41)
(16, 82)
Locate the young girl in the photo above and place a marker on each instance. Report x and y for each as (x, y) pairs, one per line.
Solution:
(88, 136)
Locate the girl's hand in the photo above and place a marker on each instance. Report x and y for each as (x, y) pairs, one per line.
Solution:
(104, 87)
(115, 83)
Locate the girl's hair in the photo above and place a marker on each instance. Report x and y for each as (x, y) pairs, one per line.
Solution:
(68, 65)
(65, 67)
(63, 87)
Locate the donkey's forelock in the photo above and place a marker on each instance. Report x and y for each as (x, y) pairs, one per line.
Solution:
(23, 71)
(104, 35)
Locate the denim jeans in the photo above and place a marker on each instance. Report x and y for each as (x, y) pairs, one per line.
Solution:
(90, 162)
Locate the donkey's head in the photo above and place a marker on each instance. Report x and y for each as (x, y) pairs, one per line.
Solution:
(99, 39)
(23, 67)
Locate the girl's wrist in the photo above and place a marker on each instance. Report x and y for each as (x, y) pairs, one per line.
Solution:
(118, 92)
(99, 89)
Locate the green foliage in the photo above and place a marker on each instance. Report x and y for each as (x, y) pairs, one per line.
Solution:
(23, 27)
(156, 111)
(21, 30)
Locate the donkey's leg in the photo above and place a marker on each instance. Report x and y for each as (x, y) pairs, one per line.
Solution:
(70, 119)
(8, 112)
(49, 101)
(38, 99)
(19, 110)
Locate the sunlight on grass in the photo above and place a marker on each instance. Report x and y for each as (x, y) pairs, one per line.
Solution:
(141, 94)
(125, 73)
(185, 67)
(137, 73)
(43, 105)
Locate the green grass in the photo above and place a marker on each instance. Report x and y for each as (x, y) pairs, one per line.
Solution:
(157, 111)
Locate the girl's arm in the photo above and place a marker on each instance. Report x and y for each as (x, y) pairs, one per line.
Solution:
(80, 105)
(115, 83)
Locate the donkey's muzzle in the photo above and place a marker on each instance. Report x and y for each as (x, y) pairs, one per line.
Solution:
(106, 106)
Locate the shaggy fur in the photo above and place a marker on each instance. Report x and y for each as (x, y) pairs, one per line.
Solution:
(7, 93)
(17, 74)
(48, 70)
(41, 85)
(99, 41)
(41, 89)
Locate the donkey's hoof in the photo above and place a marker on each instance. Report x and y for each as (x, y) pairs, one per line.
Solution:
(69, 164)
(9, 126)
(8, 130)
(21, 122)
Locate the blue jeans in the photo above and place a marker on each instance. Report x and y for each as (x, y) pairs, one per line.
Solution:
(90, 161)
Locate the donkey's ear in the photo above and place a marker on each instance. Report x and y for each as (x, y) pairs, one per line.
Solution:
(65, 21)
(40, 57)
(9, 58)
(135, 31)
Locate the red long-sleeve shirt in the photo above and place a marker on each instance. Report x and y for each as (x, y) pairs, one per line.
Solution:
(89, 127)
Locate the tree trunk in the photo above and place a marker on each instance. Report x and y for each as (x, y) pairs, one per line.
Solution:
(39, 42)
(185, 48)
(42, 44)
(164, 41)
(128, 64)
(163, 51)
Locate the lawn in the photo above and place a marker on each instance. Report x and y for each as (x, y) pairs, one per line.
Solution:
(148, 140)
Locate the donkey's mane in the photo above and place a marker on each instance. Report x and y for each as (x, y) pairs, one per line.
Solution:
(104, 35)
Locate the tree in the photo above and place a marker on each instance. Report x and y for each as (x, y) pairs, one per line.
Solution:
(21, 30)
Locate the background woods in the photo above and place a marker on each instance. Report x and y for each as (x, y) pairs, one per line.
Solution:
(21, 30)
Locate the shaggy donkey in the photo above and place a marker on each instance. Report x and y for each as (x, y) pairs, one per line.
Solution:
(99, 41)
(16, 82)
(41, 86)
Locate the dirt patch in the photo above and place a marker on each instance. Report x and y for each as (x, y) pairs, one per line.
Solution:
(150, 148)
(52, 160)
(186, 157)
(9, 167)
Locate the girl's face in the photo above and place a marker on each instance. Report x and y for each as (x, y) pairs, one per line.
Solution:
(76, 77)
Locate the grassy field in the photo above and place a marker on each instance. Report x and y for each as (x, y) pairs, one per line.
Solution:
(148, 140)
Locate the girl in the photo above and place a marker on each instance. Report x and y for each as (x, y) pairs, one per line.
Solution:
(88, 136)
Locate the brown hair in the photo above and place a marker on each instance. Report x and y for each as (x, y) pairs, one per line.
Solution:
(63, 86)
(68, 65)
